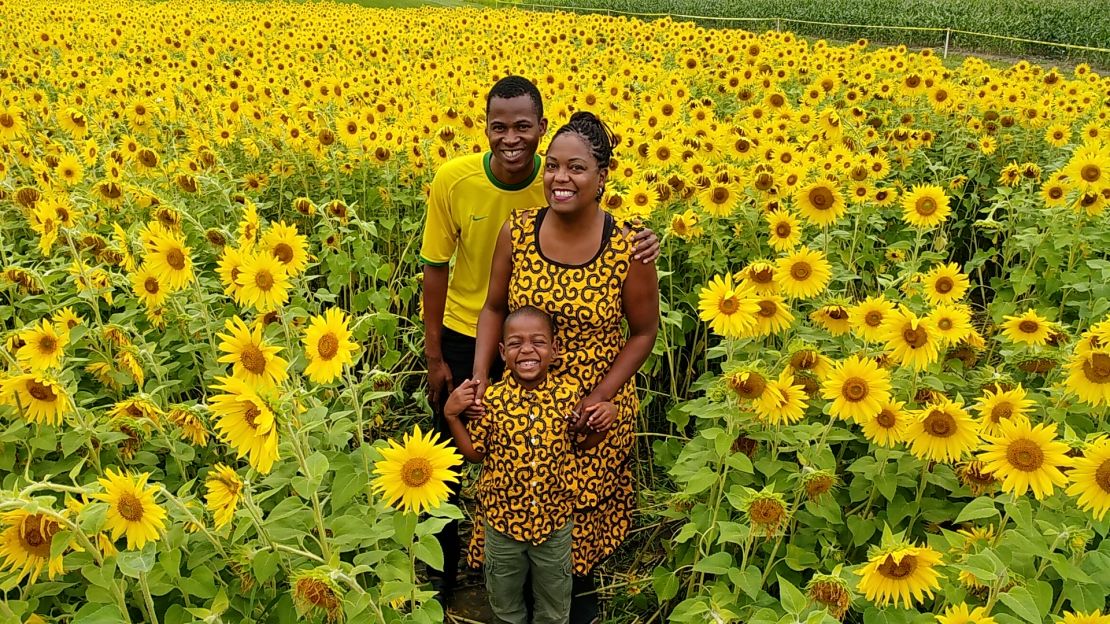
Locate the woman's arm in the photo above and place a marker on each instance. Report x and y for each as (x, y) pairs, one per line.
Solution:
(493, 313)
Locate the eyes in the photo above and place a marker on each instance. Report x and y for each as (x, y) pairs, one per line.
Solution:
(499, 128)
(516, 343)
(574, 167)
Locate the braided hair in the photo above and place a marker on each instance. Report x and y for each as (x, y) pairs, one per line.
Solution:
(596, 134)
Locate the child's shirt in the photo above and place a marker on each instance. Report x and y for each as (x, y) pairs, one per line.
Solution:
(526, 487)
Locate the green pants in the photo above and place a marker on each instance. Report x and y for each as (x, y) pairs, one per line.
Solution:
(507, 564)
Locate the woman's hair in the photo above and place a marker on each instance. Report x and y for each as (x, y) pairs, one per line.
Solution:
(596, 134)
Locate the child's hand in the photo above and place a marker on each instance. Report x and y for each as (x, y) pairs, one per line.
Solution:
(601, 416)
(460, 399)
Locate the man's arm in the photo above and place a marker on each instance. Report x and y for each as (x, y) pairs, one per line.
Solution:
(459, 400)
(435, 300)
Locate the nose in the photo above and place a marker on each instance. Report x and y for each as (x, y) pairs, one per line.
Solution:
(562, 174)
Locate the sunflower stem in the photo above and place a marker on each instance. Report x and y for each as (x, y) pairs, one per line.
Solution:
(317, 512)
(147, 598)
(917, 499)
(193, 519)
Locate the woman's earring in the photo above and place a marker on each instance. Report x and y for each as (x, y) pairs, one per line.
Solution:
(600, 192)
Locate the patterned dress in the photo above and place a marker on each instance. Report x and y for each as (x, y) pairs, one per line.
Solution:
(586, 303)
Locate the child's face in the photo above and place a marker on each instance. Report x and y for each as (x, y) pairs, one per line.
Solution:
(528, 347)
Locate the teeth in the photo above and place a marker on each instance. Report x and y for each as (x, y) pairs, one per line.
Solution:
(561, 194)
(512, 153)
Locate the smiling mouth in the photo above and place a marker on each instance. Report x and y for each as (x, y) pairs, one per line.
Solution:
(562, 194)
(512, 154)
(527, 365)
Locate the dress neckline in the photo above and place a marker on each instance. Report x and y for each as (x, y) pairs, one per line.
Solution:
(606, 235)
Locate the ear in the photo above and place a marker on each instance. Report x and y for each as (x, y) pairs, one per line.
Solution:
(603, 175)
(543, 126)
(501, 350)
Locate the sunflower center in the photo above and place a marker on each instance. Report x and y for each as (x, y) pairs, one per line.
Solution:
(945, 324)
(762, 276)
(944, 285)
(150, 285)
(837, 313)
(821, 198)
(768, 308)
(41, 392)
(1025, 455)
(751, 387)
(874, 318)
(940, 424)
(925, 206)
(130, 507)
(915, 337)
(327, 346)
(416, 472)
(283, 252)
(7, 121)
(898, 570)
(264, 280)
(317, 593)
(1097, 368)
(854, 389)
(1090, 173)
(175, 259)
(766, 511)
(36, 533)
(47, 344)
(1102, 476)
(1029, 327)
(720, 195)
(886, 419)
(783, 230)
(251, 414)
(253, 359)
(730, 304)
(801, 271)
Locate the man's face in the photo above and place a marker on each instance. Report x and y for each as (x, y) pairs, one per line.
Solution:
(514, 134)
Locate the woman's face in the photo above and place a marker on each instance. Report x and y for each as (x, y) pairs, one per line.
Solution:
(571, 175)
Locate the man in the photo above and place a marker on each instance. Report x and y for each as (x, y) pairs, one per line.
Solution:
(470, 199)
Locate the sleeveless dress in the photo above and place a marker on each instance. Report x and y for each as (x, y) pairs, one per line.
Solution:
(586, 303)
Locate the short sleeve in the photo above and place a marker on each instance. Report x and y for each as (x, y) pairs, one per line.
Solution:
(441, 232)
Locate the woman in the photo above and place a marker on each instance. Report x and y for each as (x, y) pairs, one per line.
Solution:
(573, 261)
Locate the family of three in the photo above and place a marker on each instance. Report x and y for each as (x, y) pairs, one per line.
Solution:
(546, 286)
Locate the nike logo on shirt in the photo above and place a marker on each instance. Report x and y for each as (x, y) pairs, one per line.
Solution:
(477, 218)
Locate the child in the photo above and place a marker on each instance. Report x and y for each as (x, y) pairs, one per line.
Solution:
(526, 442)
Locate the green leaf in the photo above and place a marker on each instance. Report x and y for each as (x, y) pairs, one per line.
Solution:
(717, 563)
(133, 563)
(317, 465)
(982, 507)
(792, 599)
(428, 550)
(1021, 602)
(265, 565)
(665, 583)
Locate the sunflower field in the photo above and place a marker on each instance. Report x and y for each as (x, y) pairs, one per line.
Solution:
(879, 393)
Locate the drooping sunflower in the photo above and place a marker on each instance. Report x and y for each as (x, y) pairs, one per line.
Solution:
(952, 322)
(962, 614)
(888, 427)
(945, 283)
(730, 309)
(132, 510)
(748, 384)
(169, 259)
(760, 276)
(912, 341)
(289, 247)
(803, 274)
(685, 225)
(25, 544)
(148, 288)
(230, 266)
(998, 406)
(925, 206)
(858, 389)
(806, 358)
(316, 595)
(782, 402)
(1026, 458)
(767, 512)
(190, 425)
(820, 203)
(43, 346)
(942, 432)
(413, 476)
(867, 317)
(1028, 328)
(246, 422)
(263, 282)
(1090, 478)
(773, 316)
(225, 490)
(253, 360)
(784, 230)
(36, 397)
(900, 574)
(833, 317)
(1089, 376)
(328, 346)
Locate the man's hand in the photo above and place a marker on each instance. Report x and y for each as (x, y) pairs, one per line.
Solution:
(645, 246)
(461, 399)
(477, 409)
(601, 416)
(439, 381)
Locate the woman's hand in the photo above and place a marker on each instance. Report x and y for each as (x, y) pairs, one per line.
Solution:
(585, 409)
(601, 416)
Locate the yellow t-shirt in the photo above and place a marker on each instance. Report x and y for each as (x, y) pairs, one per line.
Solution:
(466, 208)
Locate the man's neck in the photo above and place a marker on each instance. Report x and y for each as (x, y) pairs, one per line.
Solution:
(508, 179)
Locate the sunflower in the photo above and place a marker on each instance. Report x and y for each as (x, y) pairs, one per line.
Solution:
(69, 170)
(148, 288)
(833, 317)
(1057, 134)
(962, 614)
(773, 316)
(942, 432)
(685, 225)
(67, 319)
(998, 406)
(289, 247)
(803, 274)
(328, 346)
(168, 258)
(887, 427)
(413, 476)
(230, 266)
(895, 574)
(831, 593)
(820, 203)
(252, 359)
(1026, 458)
(782, 402)
(867, 317)
(316, 594)
(952, 322)
(760, 276)
(912, 341)
(925, 206)
(1078, 617)
(246, 422)
(39, 399)
(132, 510)
(42, 346)
(805, 358)
(1029, 328)
(784, 230)
(263, 282)
(748, 384)
(1090, 478)
(729, 309)
(945, 283)
(26, 542)
(225, 490)
(191, 426)
(858, 389)
(1089, 167)
(767, 512)
(720, 200)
